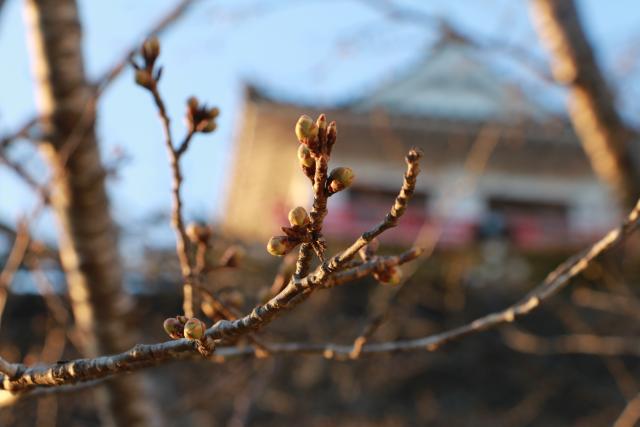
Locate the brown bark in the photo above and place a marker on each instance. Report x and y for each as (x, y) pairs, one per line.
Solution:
(87, 234)
(604, 135)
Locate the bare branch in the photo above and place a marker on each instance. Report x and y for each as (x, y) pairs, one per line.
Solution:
(616, 304)
(19, 170)
(147, 355)
(367, 268)
(142, 356)
(571, 344)
(177, 221)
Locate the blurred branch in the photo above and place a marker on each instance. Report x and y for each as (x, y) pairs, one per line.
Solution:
(177, 221)
(605, 137)
(615, 365)
(88, 240)
(571, 344)
(21, 172)
(630, 415)
(15, 258)
(623, 305)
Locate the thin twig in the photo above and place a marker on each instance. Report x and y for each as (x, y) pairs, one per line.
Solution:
(182, 242)
(112, 73)
(596, 345)
(19, 170)
(15, 258)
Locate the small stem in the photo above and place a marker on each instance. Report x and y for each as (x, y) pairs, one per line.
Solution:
(183, 247)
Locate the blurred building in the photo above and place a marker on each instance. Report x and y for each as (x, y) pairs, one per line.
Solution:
(496, 162)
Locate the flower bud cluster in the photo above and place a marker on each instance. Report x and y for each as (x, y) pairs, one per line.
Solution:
(199, 117)
(299, 232)
(145, 75)
(179, 327)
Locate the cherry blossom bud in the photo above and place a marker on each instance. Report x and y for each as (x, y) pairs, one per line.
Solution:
(306, 129)
(173, 327)
(194, 329)
(280, 245)
(150, 50)
(304, 156)
(298, 217)
(340, 178)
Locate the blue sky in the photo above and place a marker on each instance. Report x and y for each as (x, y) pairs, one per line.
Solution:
(315, 51)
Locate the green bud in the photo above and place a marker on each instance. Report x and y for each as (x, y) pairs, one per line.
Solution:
(340, 178)
(304, 156)
(306, 129)
(194, 329)
(280, 245)
(173, 327)
(299, 217)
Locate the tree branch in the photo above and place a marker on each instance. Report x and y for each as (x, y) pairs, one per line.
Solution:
(17, 377)
(604, 135)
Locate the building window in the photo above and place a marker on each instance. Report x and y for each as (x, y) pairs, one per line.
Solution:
(528, 223)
